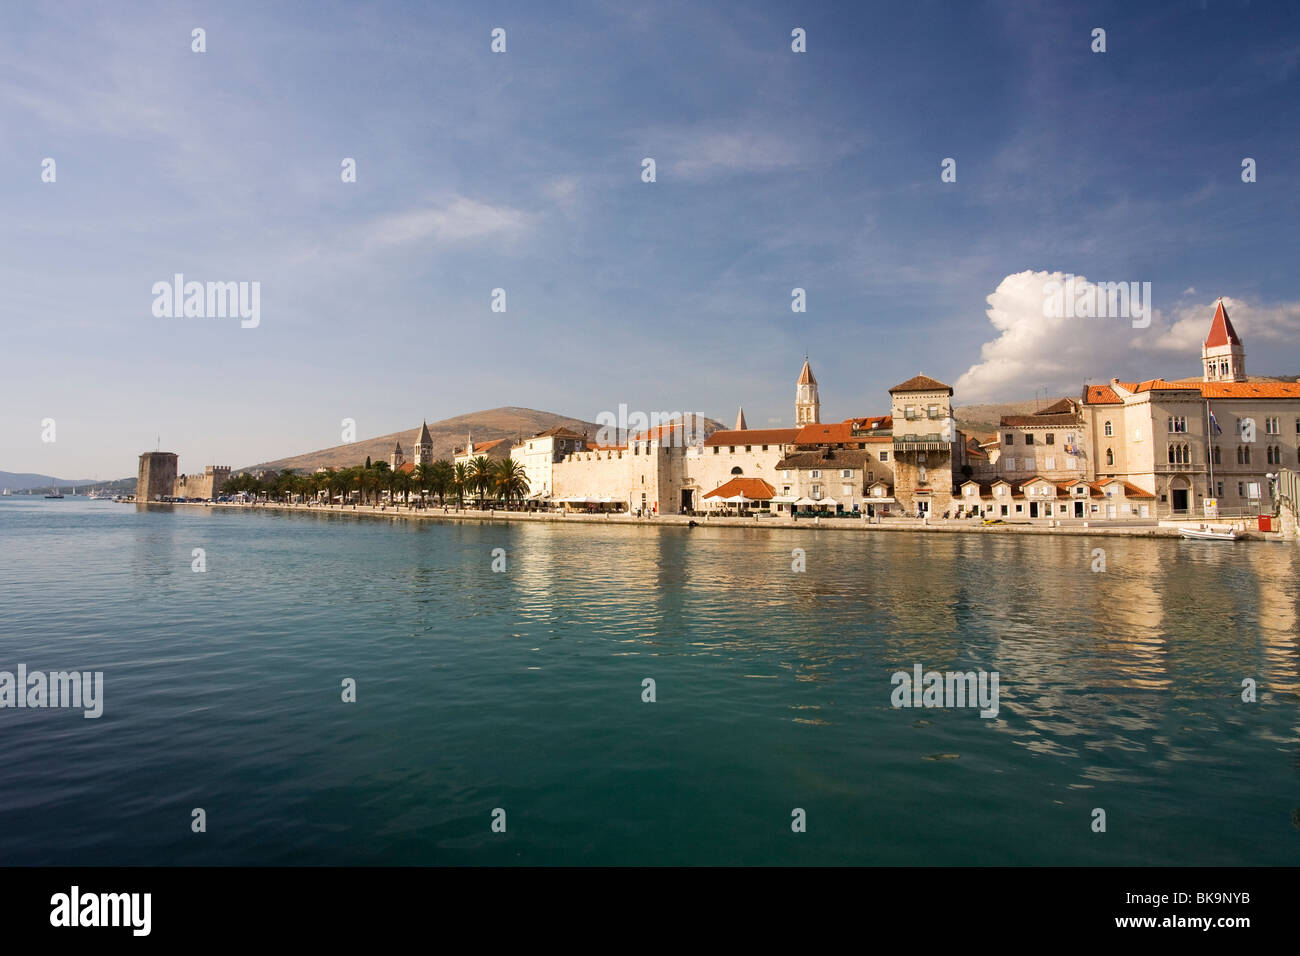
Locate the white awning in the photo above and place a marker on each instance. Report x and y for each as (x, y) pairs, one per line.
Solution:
(805, 501)
(828, 503)
(785, 500)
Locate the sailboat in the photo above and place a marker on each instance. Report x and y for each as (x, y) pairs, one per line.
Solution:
(54, 493)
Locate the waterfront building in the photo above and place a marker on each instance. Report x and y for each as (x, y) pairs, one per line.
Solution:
(1199, 447)
(156, 477)
(540, 453)
(924, 436)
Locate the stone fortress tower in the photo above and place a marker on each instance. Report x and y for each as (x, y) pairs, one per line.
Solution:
(157, 475)
(807, 405)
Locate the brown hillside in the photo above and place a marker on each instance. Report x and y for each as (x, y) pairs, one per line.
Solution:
(508, 422)
(982, 420)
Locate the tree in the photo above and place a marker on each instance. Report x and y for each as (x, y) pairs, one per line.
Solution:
(482, 475)
(368, 461)
(442, 479)
(460, 482)
(511, 480)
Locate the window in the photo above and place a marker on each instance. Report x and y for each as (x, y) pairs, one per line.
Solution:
(1020, 509)
(1011, 464)
(920, 473)
(884, 456)
(1219, 489)
(1177, 423)
(932, 411)
(785, 489)
(1029, 439)
(764, 448)
(1243, 454)
(731, 449)
(909, 412)
(1110, 429)
(1072, 463)
(817, 491)
(1218, 455)
(749, 448)
(1010, 438)
(1051, 438)
(1049, 463)
(1110, 456)
(737, 471)
(785, 475)
(715, 449)
(846, 490)
(815, 473)
(1274, 455)
(1272, 426)
(1241, 489)
(846, 472)
(1180, 455)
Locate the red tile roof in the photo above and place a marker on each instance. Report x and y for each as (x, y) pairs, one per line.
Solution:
(1130, 490)
(1221, 330)
(658, 433)
(755, 489)
(754, 436)
(921, 383)
(828, 433)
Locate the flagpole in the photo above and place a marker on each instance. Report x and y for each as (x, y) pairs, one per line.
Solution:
(1209, 448)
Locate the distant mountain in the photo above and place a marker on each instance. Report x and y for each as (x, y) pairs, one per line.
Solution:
(448, 434)
(982, 421)
(21, 481)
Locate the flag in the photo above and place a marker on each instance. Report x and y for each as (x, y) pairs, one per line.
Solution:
(1214, 423)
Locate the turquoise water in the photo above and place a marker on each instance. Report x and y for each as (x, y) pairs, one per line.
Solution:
(522, 690)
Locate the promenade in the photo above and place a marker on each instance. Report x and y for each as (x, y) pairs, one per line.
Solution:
(1137, 529)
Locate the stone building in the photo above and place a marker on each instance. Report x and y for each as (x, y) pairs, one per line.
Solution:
(156, 478)
(207, 485)
(923, 441)
(540, 453)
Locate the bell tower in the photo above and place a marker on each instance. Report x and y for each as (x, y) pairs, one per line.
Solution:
(807, 406)
(1223, 357)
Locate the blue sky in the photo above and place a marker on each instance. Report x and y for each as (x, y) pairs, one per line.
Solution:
(522, 171)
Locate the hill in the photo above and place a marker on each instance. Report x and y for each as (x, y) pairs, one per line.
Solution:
(448, 434)
(982, 421)
(21, 481)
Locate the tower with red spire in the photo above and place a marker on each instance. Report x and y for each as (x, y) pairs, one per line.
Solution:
(1223, 357)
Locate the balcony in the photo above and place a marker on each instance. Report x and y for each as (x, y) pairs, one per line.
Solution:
(921, 443)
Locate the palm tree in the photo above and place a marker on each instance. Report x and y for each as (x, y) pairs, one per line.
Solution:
(443, 477)
(460, 482)
(481, 475)
(422, 477)
(511, 480)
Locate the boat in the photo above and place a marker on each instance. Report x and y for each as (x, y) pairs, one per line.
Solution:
(7, 492)
(54, 493)
(1209, 533)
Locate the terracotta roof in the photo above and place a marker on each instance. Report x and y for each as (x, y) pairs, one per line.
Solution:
(1250, 389)
(755, 489)
(1101, 395)
(1039, 421)
(838, 458)
(1130, 490)
(754, 436)
(921, 383)
(1064, 407)
(825, 433)
(872, 422)
(806, 375)
(405, 468)
(658, 433)
(558, 431)
(1221, 330)
(484, 448)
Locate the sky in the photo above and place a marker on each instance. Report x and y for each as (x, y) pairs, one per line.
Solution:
(523, 170)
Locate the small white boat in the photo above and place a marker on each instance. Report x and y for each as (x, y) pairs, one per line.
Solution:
(1209, 533)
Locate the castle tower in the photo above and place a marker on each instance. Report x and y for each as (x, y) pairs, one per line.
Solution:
(157, 476)
(741, 424)
(214, 479)
(1223, 357)
(396, 459)
(423, 446)
(807, 406)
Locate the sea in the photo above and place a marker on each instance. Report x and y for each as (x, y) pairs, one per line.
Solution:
(328, 689)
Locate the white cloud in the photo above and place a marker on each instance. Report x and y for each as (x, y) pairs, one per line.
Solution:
(458, 220)
(1033, 349)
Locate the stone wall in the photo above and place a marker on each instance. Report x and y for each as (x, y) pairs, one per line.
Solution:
(157, 475)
